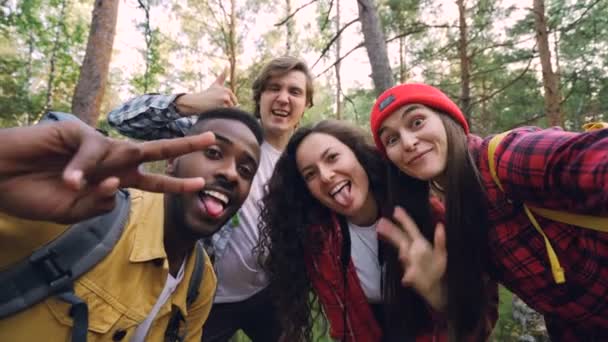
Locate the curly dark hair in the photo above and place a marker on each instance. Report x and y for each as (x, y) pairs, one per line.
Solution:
(289, 210)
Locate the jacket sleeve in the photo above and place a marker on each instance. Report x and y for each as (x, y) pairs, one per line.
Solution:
(150, 117)
(555, 169)
(199, 312)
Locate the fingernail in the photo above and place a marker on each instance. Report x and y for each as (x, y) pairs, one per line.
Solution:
(75, 176)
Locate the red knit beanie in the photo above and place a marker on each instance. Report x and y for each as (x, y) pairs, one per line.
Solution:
(403, 94)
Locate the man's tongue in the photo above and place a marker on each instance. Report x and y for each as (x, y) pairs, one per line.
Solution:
(214, 207)
(343, 197)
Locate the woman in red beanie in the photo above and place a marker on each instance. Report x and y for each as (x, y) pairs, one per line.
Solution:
(559, 269)
(318, 226)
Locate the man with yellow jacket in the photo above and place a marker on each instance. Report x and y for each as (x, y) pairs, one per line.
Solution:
(55, 174)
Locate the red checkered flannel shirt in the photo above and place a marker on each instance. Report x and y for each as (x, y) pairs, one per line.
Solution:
(556, 170)
(325, 271)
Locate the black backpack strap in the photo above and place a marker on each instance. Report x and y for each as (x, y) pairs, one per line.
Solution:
(79, 312)
(52, 269)
(172, 334)
(197, 274)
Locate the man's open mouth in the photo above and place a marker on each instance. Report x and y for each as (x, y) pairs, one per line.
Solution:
(281, 113)
(215, 202)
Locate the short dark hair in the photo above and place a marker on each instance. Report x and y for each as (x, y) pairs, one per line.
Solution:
(279, 67)
(230, 114)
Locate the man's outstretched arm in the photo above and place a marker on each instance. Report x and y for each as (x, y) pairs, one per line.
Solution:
(155, 116)
(67, 171)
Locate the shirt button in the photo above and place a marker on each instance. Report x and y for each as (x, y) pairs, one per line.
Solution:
(119, 335)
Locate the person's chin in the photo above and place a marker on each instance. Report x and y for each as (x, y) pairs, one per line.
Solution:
(428, 174)
(202, 230)
(201, 227)
(281, 127)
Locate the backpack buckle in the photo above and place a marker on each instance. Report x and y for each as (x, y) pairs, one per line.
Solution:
(45, 261)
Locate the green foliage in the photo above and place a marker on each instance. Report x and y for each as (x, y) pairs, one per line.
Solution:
(33, 30)
(505, 329)
(357, 107)
(149, 80)
(323, 105)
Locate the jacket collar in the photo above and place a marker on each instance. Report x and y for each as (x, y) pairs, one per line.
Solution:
(149, 228)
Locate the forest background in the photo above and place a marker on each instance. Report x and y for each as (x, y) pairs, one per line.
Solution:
(506, 63)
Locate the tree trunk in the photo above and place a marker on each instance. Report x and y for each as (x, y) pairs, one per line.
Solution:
(550, 81)
(485, 125)
(51, 80)
(94, 71)
(28, 78)
(232, 47)
(289, 28)
(337, 65)
(402, 61)
(148, 39)
(465, 61)
(375, 45)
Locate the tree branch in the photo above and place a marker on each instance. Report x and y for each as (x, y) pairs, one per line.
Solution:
(360, 45)
(333, 39)
(573, 79)
(331, 4)
(527, 121)
(352, 103)
(510, 83)
(580, 18)
(282, 22)
(417, 28)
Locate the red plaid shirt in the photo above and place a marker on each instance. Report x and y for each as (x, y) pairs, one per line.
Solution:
(556, 170)
(325, 271)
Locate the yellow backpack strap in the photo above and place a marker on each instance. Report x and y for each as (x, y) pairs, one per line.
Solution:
(494, 142)
(556, 269)
(592, 126)
(586, 221)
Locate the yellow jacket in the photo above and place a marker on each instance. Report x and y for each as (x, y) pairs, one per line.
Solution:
(120, 291)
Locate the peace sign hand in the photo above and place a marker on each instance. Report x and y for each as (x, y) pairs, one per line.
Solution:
(424, 264)
(66, 171)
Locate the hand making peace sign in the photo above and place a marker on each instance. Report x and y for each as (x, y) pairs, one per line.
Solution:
(67, 171)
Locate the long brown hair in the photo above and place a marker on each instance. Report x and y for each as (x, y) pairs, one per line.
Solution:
(407, 312)
(466, 235)
(466, 230)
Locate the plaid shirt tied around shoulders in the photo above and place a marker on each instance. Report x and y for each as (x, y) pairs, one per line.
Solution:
(556, 170)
